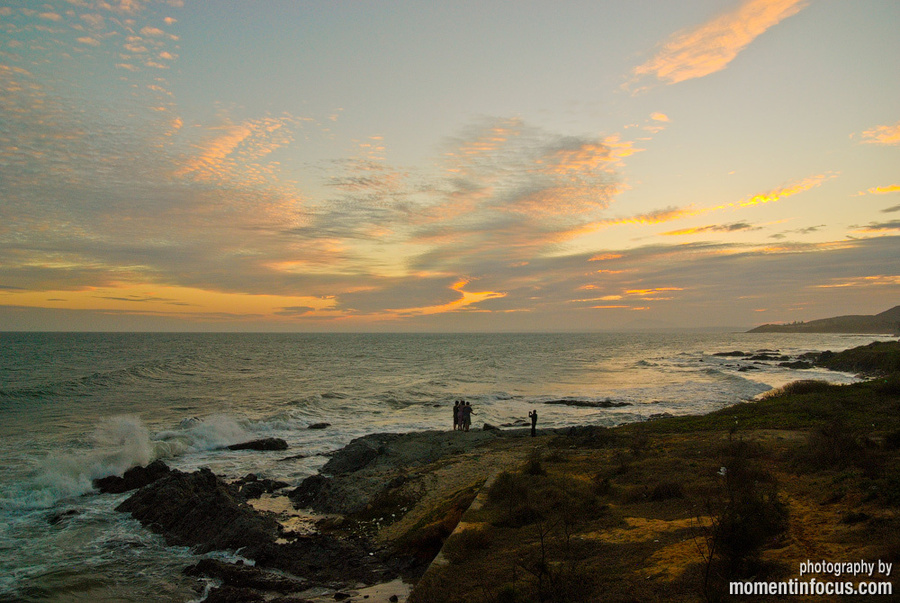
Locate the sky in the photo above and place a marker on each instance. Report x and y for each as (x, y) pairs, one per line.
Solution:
(453, 166)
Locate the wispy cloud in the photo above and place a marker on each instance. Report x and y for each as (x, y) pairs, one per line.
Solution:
(880, 226)
(789, 190)
(881, 190)
(732, 227)
(709, 48)
(885, 135)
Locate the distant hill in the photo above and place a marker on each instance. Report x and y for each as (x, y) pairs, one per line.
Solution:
(886, 322)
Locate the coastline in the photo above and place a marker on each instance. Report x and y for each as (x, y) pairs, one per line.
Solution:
(397, 498)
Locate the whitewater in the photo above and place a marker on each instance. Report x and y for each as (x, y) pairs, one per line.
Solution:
(75, 407)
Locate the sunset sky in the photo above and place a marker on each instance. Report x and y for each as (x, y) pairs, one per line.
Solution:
(447, 166)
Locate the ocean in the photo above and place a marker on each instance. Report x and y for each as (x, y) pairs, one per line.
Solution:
(79, 406)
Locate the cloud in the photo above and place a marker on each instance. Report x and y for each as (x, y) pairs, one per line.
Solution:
(703, 50)
(733, 227)
(789, 190)
(880, 226)
(885, 135)
(882, 190)
(891, 209)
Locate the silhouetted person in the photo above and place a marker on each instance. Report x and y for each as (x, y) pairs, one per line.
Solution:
(456, 415)
(533, 415)
(466, 418)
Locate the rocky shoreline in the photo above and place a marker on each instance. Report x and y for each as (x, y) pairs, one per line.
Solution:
(361, 522)
(369, 523)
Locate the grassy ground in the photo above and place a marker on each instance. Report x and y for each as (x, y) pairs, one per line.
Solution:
(675, 509)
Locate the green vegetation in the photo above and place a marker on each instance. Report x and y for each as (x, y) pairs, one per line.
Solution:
(674, 509)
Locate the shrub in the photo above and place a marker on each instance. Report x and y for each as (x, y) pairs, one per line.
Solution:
(749, 516)
(666, 491)
(533, 465)
(889, 386)
(804, 386)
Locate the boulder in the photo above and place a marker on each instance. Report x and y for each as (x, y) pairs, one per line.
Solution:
(134, 478)
(318, 426)
(199, 510)
(263, 444)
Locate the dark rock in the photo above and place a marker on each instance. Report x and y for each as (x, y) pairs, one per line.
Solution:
(341, 596)
(310, 491)
(325, 558)
(319, 426)
(749, 367)
(134, 478)
(245, 576)
(589, 403)
(517, 423)
(797, 364)
(199, 510)
(660, 415)
(263, 444)
(768, 356)
(394, 599)
(734, 353)
(250, 486)
(354, 456)
(62, 516)
(230, 594)
(489, 427)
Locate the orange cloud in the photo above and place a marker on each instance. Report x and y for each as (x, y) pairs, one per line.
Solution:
(468, 298)
(787, 191)
(880, 190)
(655, 217)
(883, 135)
(863, 281)
(712, 46)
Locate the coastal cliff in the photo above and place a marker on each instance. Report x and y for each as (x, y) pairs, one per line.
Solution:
(887, 322)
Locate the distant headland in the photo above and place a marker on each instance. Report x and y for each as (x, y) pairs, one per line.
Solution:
(886, 322)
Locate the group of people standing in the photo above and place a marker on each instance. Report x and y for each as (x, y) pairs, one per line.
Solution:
(462, 415)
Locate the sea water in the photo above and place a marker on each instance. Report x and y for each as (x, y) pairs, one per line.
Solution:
(78, 406)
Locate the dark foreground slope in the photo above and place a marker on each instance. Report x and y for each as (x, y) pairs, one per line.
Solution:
(677, 509)
(885, 322)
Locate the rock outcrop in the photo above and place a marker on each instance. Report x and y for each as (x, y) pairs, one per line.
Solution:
(134, 478)
(263, 444)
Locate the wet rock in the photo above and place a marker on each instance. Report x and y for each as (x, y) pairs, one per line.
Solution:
(735, 353)
(769, 356)
(230, 594)
(263, 444)
(250, 486)
(245, 576)
(199, 510)
(319, 426)
(489, 427)
(134, 478)
(62, 516)
(797, 364)
(589, 403)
